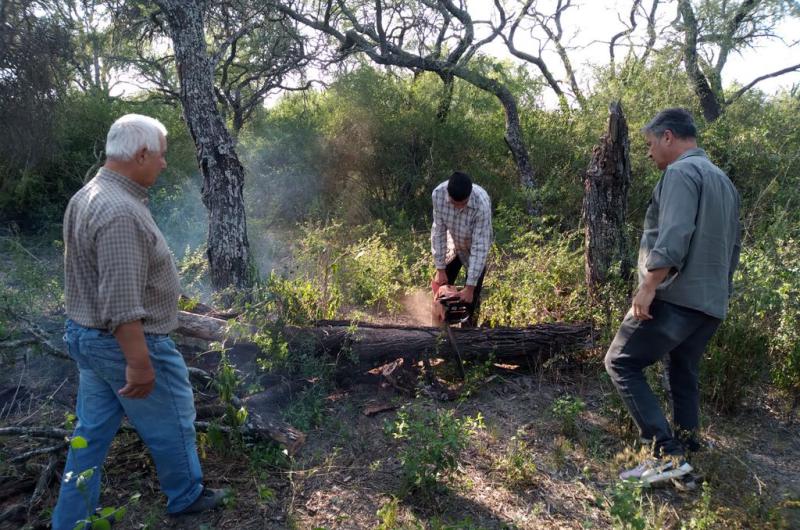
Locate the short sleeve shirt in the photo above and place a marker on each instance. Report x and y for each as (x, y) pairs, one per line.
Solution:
(118, 267)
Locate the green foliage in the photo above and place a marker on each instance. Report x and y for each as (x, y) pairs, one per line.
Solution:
(78, 442)
(433, 442)
(703, 517)
(268, 455)
(760, 335)
(371, 147)
(567, 409)
(624, 502)
(37, 194)
(516, 466)
(103, 518)
(307, 410)
(387, 514)
(537, 279)
(28, 283)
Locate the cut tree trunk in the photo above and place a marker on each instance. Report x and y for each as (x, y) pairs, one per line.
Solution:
(223, 174)
(605, 200)
(373, 345)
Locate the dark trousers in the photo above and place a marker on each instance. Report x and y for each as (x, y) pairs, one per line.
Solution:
(452, 269)
(679, 335)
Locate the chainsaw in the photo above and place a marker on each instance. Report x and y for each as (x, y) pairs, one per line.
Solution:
(455, 313)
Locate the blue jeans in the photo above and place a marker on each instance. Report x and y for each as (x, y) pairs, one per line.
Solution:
(164, 420)
(679, 335)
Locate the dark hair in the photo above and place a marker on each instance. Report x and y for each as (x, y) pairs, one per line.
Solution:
(677, 120)
(459, 186)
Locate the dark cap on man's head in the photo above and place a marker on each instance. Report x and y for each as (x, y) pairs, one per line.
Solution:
(459, 186)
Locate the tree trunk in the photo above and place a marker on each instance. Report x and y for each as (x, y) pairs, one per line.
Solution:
(373, 345)
(446, 101)
(605, 200)
(513, 133)
(709, 100)
(223, 174)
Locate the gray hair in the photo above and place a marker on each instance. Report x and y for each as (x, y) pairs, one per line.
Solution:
(677, 120)
(132, 132)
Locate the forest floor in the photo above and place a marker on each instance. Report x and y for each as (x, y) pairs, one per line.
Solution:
(526, 468)
(530, 465)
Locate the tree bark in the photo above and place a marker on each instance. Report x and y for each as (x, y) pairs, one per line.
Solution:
(223, 174)
(513, 132)
(605, 200)
(709, 100)
(374, 345)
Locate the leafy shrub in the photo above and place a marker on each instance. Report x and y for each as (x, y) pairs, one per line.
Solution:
(536, 279)
(567, 409)
(625, 506)
(434, 441)
(760, 335)
(516, 466)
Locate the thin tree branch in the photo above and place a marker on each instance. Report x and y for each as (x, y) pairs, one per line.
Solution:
(736, 95)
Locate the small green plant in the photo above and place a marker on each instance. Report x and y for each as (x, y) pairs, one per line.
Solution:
(567, 409)
(103, 518)
(434, 441)
(388, 514)
(268, 455)
(307, 410)
(188, 304)
(476, 375)
(516, 466)
(69, 421)
(226, 381)
(624, 502)
(703, 517)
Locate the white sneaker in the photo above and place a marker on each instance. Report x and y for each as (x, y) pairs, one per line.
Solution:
(653, 471)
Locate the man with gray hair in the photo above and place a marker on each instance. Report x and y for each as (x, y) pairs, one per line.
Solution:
(121, 296)
(688, 253)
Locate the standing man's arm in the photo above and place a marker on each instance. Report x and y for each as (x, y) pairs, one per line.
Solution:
(139, 374)
(439, 241)
(122, 262)
(676, 217)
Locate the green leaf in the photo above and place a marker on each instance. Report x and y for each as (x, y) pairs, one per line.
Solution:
(101, 524)
(241, 416)
(78, 442)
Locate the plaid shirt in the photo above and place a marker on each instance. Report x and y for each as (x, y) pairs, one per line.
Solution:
(466, 233)
(117, 265)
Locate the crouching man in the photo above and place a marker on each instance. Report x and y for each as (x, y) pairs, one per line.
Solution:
(687, 256)
(461, 236)
(121, 295)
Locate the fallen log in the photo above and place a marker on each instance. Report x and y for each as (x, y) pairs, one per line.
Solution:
(371, 345)
(263, 423)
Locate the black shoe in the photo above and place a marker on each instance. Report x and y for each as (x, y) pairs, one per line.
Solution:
(209, 499)
(692, 441)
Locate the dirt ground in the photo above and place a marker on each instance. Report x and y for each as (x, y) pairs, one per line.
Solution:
(348, 475)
